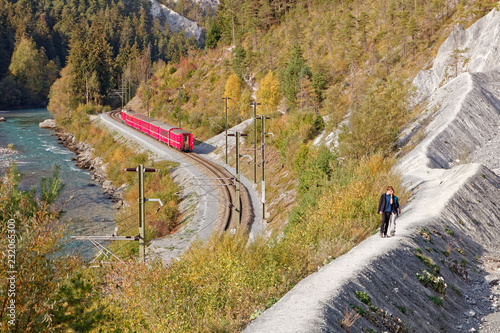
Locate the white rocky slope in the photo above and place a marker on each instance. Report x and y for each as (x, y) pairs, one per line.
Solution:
(473, 50)
(176, 21)
(206, 3)
(453, 217)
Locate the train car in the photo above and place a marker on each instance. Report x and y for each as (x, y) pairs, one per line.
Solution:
(173, 136)
(176, 137)
(127, 116)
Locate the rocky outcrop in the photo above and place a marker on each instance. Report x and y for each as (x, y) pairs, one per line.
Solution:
(473, 50)
(96, 167)
(176, 21)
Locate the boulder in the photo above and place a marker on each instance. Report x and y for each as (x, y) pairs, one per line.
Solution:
(2, 118)
(48, 123)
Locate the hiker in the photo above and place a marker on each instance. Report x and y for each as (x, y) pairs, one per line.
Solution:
(396, 210)
(388, 203)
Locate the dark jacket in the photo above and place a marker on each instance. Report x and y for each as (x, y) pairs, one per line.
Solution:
(381, 204)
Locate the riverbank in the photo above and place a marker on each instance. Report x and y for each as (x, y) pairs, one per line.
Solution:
(35, 152)
(95, 166)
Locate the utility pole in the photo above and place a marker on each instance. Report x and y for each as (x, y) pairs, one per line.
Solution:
(179, 106)
(238, 196)
(226, 98)
(254, 141)
(142, 229)
(238, 201)
(123, 93)
(86, 90)
(147, 92)
(263, 164)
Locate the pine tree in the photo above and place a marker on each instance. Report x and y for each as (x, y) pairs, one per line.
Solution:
(213, 35)
(294, 71)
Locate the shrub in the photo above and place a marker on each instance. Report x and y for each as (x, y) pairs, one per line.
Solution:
(363, 297)
(435, 283)
(448, 230)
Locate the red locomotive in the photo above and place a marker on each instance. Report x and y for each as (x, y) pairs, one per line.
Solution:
(171, 135)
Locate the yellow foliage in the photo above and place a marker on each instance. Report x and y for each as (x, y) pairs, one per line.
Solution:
(269, 93)
(233, 90)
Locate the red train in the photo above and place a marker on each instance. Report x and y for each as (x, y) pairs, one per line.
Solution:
(171, 135)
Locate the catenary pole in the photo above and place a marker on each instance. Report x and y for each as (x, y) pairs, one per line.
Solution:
(142, 218)
(263, 168)
(180, 106)
(226, 98)
(238, 201)
(254, 103)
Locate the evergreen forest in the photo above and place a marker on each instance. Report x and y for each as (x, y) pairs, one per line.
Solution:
(100, 42)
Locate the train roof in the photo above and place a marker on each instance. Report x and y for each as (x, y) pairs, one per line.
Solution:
(180, 131)
(157, 123)
(129, 112)
(144, 118)
(167, 127)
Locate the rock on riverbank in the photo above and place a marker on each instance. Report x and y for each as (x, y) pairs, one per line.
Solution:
(96, 166)
(48, 123)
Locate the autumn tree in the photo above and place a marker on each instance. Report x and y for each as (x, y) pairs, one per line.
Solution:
(375, 123)
(32, 69)
(269, 93)
(38, 268)
(233, 91)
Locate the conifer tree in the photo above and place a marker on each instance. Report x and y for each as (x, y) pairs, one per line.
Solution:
(294, 71)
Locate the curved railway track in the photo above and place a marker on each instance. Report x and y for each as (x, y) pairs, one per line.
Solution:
(224, 184)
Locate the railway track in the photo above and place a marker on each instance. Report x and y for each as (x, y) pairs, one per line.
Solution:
(224, 183)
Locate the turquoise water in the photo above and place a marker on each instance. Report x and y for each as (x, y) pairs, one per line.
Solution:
(88, 212)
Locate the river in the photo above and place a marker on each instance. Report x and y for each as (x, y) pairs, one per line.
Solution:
(88, 212)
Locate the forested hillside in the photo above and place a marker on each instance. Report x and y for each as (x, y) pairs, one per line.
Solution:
(100, 42)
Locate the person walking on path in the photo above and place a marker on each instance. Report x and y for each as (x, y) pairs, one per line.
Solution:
(396, 210)
(386, 206)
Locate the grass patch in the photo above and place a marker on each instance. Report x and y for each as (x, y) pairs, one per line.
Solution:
(378, 317)
(427, 262)
(401, 308)
(436, 300)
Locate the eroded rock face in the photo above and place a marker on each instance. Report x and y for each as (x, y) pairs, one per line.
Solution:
(473, 50)
(176, 21)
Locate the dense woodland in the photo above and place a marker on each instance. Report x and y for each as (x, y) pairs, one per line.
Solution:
(101, 41)
(313, 64)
